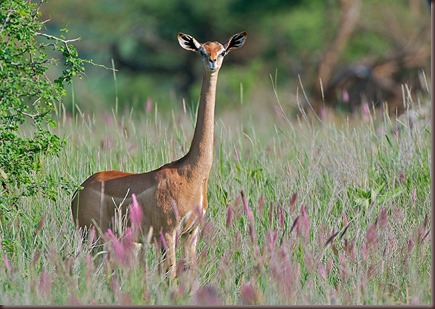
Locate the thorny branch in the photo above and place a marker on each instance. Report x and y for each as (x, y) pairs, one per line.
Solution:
(65, 42)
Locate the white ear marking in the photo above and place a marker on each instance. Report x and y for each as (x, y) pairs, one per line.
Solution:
(236, 41)
(188, 42)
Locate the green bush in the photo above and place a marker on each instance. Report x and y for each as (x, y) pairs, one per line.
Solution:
(28, 98)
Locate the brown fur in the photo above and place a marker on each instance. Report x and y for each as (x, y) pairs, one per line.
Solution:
(182, 183)
(213, 49)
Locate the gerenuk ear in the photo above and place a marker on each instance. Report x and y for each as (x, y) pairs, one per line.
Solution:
(188, 42)
(236, 41)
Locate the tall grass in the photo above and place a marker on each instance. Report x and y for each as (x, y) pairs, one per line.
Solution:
(303, 213)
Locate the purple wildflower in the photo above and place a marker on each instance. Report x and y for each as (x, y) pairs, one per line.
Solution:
(382, 219)
(207, 295)
(122, 249)
(229, 216)
(371, 236)
(6, 261)
(136, 214)
(410, 245)
(44, 283)
(345, 96)
(365, 110)
(303, 225)
(251, 232)
(345, 222)
(364, 251)
(322, 271)
(248, 294)
(248, 210)
(148, 105)
(309, 261)
(284, 272)
(116, 245)
(128, 240)
(272, 237)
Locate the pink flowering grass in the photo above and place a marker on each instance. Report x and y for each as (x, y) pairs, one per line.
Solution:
(122, 248)
(136, 214)
(307, 214)
(6, 261)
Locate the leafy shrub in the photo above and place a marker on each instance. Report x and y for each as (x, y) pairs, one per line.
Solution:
(28, 97)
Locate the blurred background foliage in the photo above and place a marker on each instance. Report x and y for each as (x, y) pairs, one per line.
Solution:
(362, 51)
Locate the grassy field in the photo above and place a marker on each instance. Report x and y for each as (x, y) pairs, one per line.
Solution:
(341, 214)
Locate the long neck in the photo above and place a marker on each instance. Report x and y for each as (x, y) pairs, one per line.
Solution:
(200, 154)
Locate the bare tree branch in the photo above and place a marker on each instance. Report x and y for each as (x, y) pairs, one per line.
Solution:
(349, 17)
